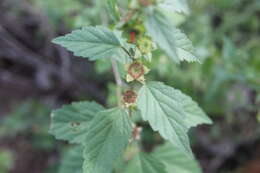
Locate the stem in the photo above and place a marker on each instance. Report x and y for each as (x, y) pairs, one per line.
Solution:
(118, 80)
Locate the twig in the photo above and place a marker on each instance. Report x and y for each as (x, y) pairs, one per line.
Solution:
(118, 80)
(13, 50)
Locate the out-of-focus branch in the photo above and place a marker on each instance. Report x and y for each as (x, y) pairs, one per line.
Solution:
(13, 50)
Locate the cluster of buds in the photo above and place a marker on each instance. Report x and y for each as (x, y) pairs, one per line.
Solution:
(136, 71)
(146, 46)
(129, 98)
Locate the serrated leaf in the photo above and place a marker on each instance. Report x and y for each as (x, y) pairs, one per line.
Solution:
(106, 139)
(95, 43)
(71, 122)
(174, 160)
(169, 38)
(195, 115)
(113, 10)
(160, 106)
(72, 161)
(145, 163)
(179, 6)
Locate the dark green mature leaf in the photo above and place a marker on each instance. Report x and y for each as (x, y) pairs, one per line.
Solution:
(71, 122)
(169, 38)
(95, 43)
(159, 105)
(175, 160)
(179, 6)
(106, 139)
(113, 10)
(72, 160)
(145, 163)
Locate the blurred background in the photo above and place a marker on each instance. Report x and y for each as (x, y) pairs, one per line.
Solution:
(37, 76)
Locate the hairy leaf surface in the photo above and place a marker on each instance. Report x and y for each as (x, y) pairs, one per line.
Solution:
(106, 139)
(175, 160)
(145, 163)
(72, 161)
(95, 43)
(71, 122)
(160, 106)
(169, 38)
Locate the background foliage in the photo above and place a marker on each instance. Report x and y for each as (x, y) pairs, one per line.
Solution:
(36, 76)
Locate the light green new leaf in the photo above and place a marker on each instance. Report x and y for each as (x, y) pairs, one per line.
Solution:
(159, 105)
(71, 122)
(113, 10)
(179, 6)
(95, 43)
(169, 38)
(106, 139)
(145, 163)
(175, 161)
(72, 161)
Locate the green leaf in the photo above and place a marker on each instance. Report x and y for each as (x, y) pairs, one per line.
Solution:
(145, 163)
(96, 43)
(72, 161)
(175, 160)
(195, 115)
(179, 6)
(168, 37)
(71, 122)
(159, 105)
(113, 10)
(106, 139)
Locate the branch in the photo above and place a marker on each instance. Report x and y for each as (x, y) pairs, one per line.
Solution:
(118, 80)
